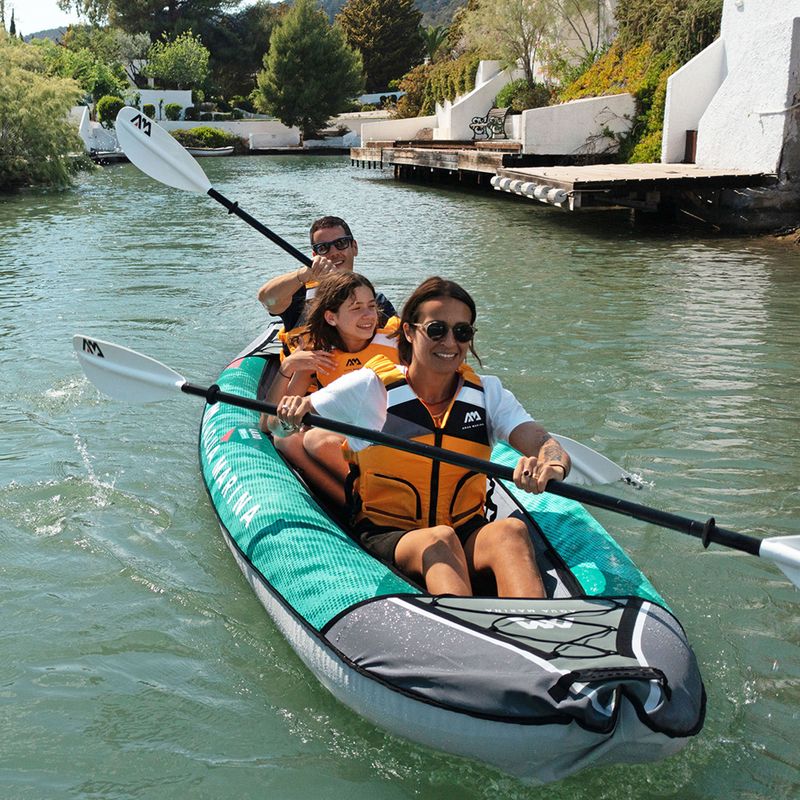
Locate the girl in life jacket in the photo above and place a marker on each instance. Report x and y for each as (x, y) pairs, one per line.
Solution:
(341, 335)
(426, 517)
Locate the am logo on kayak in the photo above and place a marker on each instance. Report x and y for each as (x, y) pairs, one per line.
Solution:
(238, 500)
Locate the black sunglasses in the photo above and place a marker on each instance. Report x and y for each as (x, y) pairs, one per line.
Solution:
(436, 330)
(323, 248)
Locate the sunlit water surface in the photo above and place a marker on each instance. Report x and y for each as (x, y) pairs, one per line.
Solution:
(135, 660)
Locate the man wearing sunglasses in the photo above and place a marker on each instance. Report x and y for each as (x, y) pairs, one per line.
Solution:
(334, 249)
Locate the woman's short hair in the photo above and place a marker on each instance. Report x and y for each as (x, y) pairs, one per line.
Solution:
(431, 289)
(332, 291)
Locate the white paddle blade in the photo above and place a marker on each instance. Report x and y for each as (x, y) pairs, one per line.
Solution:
(158, 154)
(785, 552)
(125, 374)
(590, 467)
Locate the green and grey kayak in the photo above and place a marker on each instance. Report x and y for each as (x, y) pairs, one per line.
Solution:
(599, 672)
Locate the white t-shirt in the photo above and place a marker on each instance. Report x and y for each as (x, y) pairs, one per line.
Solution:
(359, 398)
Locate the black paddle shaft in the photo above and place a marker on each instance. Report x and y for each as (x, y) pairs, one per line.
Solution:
(705, 531)
(233, 208)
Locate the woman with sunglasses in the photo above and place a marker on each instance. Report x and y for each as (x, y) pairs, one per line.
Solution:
(340, 336)
(428, 518)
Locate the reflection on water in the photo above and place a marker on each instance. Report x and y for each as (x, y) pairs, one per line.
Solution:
(128, 627)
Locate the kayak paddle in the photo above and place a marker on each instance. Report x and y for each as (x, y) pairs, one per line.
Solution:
(127, 375)
(159, 155)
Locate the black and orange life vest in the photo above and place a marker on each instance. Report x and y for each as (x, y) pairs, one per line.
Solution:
(405, 491)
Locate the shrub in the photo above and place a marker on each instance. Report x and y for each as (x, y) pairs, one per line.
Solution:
(172, 111)
(108, 107)
(190, 113)
(519, 95)
(237, 113)
(428, 84)
(644, 74)
(239, 101)
(206, 116)
(149, 110)
(205, 136)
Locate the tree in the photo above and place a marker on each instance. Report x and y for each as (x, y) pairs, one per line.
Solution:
(433, 37)
(310, 72)
(38, 146)
(386, 33)
(155, 17)
(95, 76)
(238, 43)
(510, 30)
(131, 50)
(182, 63)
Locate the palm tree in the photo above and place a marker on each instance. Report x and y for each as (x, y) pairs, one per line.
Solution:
(432, 37)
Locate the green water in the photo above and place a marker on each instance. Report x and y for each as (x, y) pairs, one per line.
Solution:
(135, 660)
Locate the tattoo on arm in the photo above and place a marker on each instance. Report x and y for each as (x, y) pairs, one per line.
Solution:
(553, 453)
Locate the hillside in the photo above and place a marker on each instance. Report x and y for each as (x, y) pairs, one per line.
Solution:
(434, 12)
(52, 33)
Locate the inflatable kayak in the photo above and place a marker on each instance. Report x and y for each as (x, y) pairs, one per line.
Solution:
(599, 672)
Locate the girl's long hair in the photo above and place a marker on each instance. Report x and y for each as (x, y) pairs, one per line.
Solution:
(431, 289)
(333, 290)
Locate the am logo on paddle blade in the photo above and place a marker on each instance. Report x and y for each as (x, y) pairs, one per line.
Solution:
(92, 348)
(142, 123)
(353, 362)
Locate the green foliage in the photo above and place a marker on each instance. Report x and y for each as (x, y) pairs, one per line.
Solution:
(520, 96)
(191, 113)
(238, 43)
(149, 110)
(95, 76)
(644, 74)
(107, 109)
(386, 33)
(433, 39)
(172, 111)
(654, 39)
(678, 28)
(428, 84)
(206, 136)
(38, 143)
(181, 63)
(238, 101)
(508, 30)
(310, 72)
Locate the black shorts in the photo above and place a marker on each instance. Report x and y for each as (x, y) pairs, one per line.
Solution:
(381, 541)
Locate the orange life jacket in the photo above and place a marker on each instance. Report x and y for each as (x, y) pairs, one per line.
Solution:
(382, 344)
(405, 491)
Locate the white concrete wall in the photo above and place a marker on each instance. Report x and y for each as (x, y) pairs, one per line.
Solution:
(155, 96)
(261, 133)
(736, 92)
(453, 118)
(577, 126)
(689, 92)
(393, 129)
(94, 135)
(748, 121)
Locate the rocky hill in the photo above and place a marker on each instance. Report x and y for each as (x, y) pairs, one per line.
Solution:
(51, 33)
(434, 12)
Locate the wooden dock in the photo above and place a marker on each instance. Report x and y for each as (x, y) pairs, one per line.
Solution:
(501, 165)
